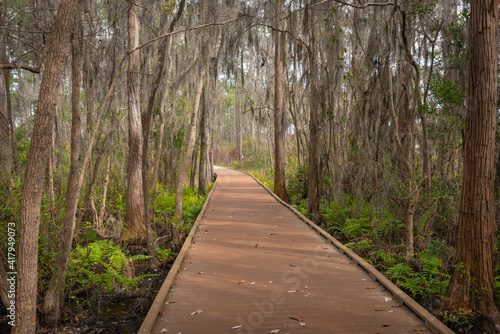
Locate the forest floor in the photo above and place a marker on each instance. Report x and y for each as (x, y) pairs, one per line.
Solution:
(122, 313)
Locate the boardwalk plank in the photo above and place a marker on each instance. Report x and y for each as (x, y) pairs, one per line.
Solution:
(289, 270)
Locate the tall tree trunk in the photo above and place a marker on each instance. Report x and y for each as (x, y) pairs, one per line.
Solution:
(404, 157)
(51, 305)
(313, 177)
(184, 168)
(51, 171)
(203, 134)
(102, 206)
(7, 103)
(159, 145)
(426, 164)
(194, 167)
(279, 133)
(57, 49)
(472, 285)
(237, 111)
(5, 145)
(135, 217)
(13, 140)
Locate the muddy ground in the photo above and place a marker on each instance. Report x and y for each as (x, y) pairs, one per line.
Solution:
(91, 313)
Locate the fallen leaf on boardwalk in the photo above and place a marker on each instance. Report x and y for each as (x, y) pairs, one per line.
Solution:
(292, 291)
(298, 319)
(307, 294)
(161, 314)
(256, 245)
(292, 265)
(303, 324)
(386, 325)
(169, 303)
(163, 330)
(419, 329)
(390, 311)
(275, 331)
(196, 312)
(236, 327)
(370, 288)
(206, 231)
(377, 309)
(270, 233)
(270, 282)
(252, 283)
(201, 273)
(387, 299)
(241, 281)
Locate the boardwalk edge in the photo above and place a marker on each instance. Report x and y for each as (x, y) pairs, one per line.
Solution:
(150, 319)
(430, 320)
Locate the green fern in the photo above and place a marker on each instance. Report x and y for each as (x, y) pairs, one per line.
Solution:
(103, 266)
(430, 282)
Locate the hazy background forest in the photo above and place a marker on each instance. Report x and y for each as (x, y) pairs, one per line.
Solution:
(114, 112)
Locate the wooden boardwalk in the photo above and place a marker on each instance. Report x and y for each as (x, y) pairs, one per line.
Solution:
(253, 266)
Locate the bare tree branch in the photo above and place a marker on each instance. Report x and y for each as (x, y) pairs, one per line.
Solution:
(185, 30)
(368, 4)
(20, 66)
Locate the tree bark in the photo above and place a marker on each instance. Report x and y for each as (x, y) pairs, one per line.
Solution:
(135, 217)
(51, 305)
(194, 167)
(184, 168)
(313, 176)
(146, 124)
(237, 111)
(57, 49)
(279, 132)
(203, 134)
(472, 286)
(8, 153)
(406, 161)
(5, 145)
(426, 165)
(13, 140)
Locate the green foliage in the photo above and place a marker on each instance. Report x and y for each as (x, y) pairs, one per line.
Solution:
(179, 139)
(350, 218)
(355, 227)
(427, 283)
(103, 266)
(165, 255)
(192, 203)
(302, 207)
(297, 182)
(362, 245)
(459, 320)
(335, 213)
(383, 259)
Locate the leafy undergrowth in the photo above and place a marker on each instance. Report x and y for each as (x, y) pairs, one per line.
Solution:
(110, 286)
(379, 237)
